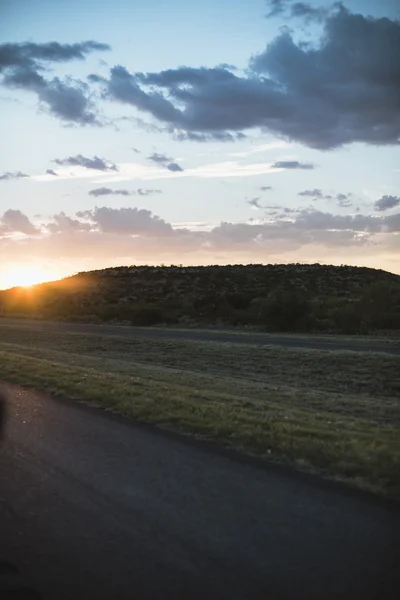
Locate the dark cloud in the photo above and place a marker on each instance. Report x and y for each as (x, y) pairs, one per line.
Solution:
(16, 175)
(265, 188)
(67, 100)
(165, 161)
(342, 88)
(128, 221)
(16, 221)
(291, 164)
(104, 191)
(124, 87)
(387, 202)
(22, 66)
(51, 172)
(310, 13)
(30, 55)
(96, 163)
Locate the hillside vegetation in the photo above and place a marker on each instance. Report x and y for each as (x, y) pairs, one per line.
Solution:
(302, 298)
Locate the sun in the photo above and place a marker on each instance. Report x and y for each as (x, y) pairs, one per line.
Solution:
(24, 275)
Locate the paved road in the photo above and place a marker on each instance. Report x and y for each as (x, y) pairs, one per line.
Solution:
(93, 506)
(256, 339)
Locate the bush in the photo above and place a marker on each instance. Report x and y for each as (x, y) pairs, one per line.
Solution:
(146, 316)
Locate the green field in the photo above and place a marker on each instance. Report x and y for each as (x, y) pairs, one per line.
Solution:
(332, 412)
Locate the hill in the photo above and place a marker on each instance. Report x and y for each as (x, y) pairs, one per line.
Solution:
(293, 297)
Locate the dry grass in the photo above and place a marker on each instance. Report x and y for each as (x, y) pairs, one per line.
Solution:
(334, 412)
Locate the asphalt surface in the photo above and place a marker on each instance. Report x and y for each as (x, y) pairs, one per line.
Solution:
(95, 506)
(257, 339)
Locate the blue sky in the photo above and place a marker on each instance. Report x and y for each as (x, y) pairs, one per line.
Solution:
(162, 122)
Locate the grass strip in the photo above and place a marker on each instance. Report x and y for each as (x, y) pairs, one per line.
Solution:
(285, 424)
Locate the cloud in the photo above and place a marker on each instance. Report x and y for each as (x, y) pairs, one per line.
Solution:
(387, 202)
(276, 7)
(217, 136)
(341, 88)
(255, 203)
(22, 65)
(30, 55)
(104, 191)
(297, 9)
(106, 236)
(265, 188)
(174, 167)
(128, 221)
(16, 175)
(51, 172)
(142, 192)
(291, 164)
(261, 148)
(343, 200)
(159, 158)
(63, 224)
(16, 221)
(96, 163)
(136, 171)
(315, 193)
(68, 100)
(165, 161)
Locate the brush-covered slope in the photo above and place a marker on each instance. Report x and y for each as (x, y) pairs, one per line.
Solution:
(292, 297)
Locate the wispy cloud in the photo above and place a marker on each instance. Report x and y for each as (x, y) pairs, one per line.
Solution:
(291, 164)
(343, 200)
(134, 171)
(16, 175)
(165, 161)
(105, 191)
(255, 203)
(261, 148)
(95, 163)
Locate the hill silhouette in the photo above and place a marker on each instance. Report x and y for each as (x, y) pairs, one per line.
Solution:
(293, 297)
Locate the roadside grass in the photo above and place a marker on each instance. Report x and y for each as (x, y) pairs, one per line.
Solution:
(389, 337)
(336, 413)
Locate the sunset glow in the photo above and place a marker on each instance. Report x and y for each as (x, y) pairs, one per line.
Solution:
(25, 275)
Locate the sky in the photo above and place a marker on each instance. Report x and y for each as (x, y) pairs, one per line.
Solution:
(216, 132)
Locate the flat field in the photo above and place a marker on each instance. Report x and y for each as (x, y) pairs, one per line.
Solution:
(336, 413)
